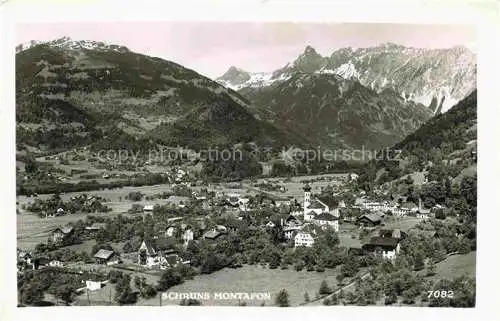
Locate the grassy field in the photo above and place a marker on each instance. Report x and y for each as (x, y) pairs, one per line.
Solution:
(346, 233)
(402, 223)
(32, 229)
(456, 265)
(252, 279)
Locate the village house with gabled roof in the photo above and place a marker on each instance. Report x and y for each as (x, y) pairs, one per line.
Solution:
(305, 236)
(107, 257)
(389, 246)
(325, 220)
(60, 234)
(94, 228)
(369, 220)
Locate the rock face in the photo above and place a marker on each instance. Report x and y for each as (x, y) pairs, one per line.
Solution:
(438, 78)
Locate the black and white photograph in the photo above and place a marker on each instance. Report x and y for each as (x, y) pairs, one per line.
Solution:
(246, 163)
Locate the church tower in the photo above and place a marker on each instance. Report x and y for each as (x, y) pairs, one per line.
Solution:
(307, 196)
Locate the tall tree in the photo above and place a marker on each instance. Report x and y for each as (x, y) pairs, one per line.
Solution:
(282, 299)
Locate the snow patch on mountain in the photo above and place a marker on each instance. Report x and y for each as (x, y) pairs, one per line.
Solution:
(67, 43)
(424, 75)
(347, 71)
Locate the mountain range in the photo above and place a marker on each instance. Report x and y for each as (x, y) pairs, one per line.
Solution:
(437, 78)
(75, 93)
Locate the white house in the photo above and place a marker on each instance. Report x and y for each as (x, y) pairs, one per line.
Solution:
(56, 263)
(325, 220)
(388, 246)
(390, 254)
(303, 239)
(93, 285)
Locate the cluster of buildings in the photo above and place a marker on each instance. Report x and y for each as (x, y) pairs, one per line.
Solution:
(317, 213)
(397, 209)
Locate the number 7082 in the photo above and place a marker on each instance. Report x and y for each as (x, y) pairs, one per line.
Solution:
(440, 294)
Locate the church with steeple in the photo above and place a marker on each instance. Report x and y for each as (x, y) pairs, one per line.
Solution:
(322, 211)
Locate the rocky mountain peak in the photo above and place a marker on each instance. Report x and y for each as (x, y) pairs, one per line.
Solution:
(234, 75)
(309, 61)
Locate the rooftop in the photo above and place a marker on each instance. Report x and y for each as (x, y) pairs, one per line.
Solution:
(316, 205)
(103, 254)
(383, 242)
(212, 234)
(325, 217)
(371, 217)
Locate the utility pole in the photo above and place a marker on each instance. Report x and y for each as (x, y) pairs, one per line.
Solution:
(160, 297)
(88, 296)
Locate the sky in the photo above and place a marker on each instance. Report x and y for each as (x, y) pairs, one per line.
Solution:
(211, 48)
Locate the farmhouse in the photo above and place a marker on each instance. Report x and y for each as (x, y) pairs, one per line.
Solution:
(423, 213)
(60, 234)
(388, 246)
(94, 228)
(369, 220)
(107, 257)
